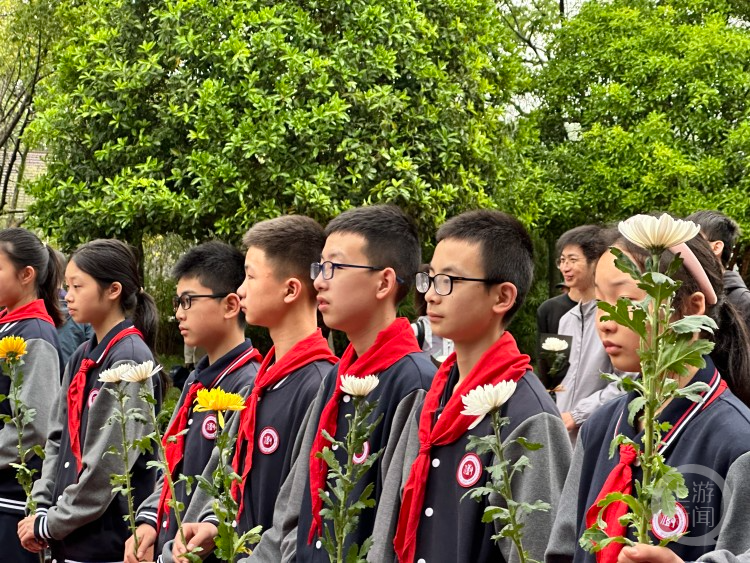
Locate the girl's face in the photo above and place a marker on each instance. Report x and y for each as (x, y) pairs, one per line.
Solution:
(620, 343)
(86, 304)
(14, 288)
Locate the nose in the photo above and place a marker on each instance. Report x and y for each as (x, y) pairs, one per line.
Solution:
(241, 290)
(179, 314)
(604, 326)
(319, 283)
(432, 296)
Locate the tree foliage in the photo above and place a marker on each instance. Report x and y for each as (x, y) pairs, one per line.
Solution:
(656, 97)
(201, 117)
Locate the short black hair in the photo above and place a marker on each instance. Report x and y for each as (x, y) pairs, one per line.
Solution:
(591, 238)
(507, 253)
(391, 240)
(717, 226)
(216, 265)
(291, 243)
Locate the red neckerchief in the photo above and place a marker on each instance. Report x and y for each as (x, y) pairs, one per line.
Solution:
(175, 448)
(308, 350)
(78, 386)
(389, 347)
(501, 362)
(33, 310)
(620, 478)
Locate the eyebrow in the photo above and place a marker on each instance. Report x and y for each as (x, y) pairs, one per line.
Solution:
(619, 283)
(334, 254)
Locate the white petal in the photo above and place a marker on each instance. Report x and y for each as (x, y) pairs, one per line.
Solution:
(114, 375)
(657, 234)
(141, 372)
(358, 386)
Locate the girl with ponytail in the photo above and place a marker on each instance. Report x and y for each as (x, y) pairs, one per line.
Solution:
(30, 276)
(79, 516)
(708, 441)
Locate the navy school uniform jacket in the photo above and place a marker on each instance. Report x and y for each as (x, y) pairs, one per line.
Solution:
(279, 417)
(200, 437)
(80, 516)
(451, 529)
(711, 449)
(41, 385)
(402, 387)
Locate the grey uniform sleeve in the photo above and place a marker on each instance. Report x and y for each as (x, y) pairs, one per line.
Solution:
(147, 511)
(563, 537)
(724, 556)
(733, 536)
(586, 407)
(279, 543)
(39, 391)
(201, 506)
(400, 453)
(542, 480)
(44, 487)
(86, 500)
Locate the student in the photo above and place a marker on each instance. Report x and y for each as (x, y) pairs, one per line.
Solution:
(70, 333)
(367, 266)
(209, 315)
(29, 277)
(277, 293)
(710, 440)
(79, 515)
(479, 276)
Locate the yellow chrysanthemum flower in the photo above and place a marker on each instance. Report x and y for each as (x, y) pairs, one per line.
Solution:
(12, 348)
(218, 400)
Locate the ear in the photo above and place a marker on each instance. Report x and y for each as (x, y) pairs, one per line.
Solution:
(387, 283)
(232, 306)
(26, 275)
(695, 304)
(717, 246)
(114, 291)
(504, 295)
(292, 290)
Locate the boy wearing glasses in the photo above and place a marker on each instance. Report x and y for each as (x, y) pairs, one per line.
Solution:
(479, 276)
(278, 294)
(209, 314)
(366, 268)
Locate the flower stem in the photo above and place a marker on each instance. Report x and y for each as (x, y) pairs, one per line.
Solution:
(339, 524)
(650, 438)
(505, 487)
(167, 472)
(126, 461)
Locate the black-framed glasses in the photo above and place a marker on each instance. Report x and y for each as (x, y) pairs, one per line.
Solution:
(186, 299)
(443, 283)
(326, 268)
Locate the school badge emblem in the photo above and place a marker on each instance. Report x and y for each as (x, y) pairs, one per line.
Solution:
(92, 396)
(209, 427)
(665, 527)
(469, 470)
(360, 458)
(268, 441)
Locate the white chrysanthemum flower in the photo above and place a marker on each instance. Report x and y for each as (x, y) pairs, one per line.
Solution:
(657, 234)
(553, 344)
(114, 375)
(140, 372)
(484, 399)
(358, 386)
